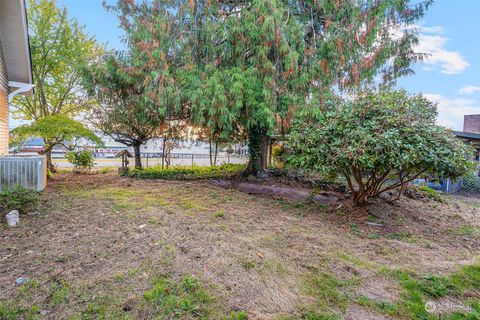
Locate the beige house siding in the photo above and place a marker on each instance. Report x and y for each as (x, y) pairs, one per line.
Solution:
(3, 69)
(3, 124)
(3, 104)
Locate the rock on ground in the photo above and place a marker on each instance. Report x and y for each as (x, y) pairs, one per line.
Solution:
(288, 193)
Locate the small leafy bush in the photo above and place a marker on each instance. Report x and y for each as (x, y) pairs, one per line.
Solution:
(379, 142)
(18, 198)
(82, 160)
(187, 173)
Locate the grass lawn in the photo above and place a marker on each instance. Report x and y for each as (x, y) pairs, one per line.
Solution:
(109, 247)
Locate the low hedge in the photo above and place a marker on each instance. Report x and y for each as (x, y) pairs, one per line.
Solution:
(187, 173)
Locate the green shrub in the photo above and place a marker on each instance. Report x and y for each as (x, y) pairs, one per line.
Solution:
(379, 142)
(82, 160)
(18, 198)
(187, 173)
(471, 184)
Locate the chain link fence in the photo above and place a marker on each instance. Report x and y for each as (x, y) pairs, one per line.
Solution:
(155, 159)
(190, 159)
(464, 186)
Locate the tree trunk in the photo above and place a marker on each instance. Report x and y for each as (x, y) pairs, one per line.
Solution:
(216, 153)
(210, 151)
(360, 198)
(48, 154)
(270, 149)
(258, 142)
(138, 158)
(50, 165)
(168, 156)
(163, 153)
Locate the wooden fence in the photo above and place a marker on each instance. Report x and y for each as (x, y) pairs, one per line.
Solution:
(30, 172)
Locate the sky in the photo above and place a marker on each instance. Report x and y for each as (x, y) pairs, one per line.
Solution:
(449, 33)
(451, 75)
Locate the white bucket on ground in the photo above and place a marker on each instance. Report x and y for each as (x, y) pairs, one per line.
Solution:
(12, 218)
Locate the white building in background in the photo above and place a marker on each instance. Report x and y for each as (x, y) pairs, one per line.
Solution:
(153, 148)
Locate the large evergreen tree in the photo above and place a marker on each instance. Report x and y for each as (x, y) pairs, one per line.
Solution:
(257, 63)
(121, 110)
(137, 97)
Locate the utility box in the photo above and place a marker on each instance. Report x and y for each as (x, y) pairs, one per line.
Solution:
(29, 172)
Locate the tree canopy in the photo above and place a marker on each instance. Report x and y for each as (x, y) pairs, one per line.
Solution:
(256, 64)
(55, 130)
(59, 47)
(123, 109)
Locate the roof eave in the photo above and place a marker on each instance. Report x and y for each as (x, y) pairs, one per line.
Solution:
(15, 41)
(27, 40)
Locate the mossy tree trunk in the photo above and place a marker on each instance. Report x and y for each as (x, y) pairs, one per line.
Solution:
(137, 155)
(47, 152)
(50, 165)
(258, 143)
